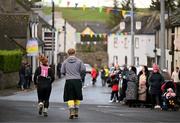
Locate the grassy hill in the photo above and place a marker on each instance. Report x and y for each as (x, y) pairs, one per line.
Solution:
(77, 14)
(90, 14)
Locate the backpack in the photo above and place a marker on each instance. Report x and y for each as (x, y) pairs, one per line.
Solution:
(27, 72)
(44, 71)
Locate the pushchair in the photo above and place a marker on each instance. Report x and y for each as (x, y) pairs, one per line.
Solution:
(169, 100)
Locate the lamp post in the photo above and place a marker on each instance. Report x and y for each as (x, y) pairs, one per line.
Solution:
(162, 36)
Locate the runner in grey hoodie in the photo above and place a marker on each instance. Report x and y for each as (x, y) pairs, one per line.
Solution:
(72, 68)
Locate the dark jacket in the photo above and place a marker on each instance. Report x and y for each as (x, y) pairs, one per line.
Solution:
(43, 81)
(155, 81)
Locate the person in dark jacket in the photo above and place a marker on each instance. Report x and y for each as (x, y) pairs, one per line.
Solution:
(59, 70)
(124, 75)
(43, 79)
(72, 68)
(155, 81)
(131, 92)
(22, 79)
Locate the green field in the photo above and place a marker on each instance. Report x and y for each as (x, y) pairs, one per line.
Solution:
(77, 14)
(90, 14)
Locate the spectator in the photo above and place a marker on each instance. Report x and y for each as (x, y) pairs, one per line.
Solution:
(155, 81)
(131, 92)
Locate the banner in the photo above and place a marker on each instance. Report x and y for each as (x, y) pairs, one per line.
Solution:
(32, 47)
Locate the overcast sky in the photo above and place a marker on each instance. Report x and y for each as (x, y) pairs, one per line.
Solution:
(97, 3)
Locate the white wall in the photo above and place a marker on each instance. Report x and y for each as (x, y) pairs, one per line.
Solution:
(177, 54)
(146, 47)
(70, 35)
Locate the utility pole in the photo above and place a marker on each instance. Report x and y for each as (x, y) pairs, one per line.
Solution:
(53, 33)
(64, 36)
(132, 33)
(162, 36)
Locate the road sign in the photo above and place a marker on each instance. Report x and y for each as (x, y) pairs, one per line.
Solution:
(48, 41)
(32, 47)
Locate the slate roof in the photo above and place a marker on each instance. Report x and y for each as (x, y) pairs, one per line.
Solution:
(14, 26)
(97, 27)
(148, 22)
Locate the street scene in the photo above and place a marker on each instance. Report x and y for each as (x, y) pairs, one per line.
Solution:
(22, 107)
(90, 61)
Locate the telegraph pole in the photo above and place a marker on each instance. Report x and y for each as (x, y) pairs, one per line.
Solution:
(162, 36)
(64, 36)
(132, 33)
(53, 32)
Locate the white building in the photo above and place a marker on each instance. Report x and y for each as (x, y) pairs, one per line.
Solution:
(172, 42)
(65, 36)
(119, 43)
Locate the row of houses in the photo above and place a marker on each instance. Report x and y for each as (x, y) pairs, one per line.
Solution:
(94, 42)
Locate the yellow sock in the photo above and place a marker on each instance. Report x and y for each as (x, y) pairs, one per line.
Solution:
(77, 103)
(71, 103)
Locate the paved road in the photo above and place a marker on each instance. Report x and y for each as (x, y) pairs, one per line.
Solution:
(92, 95)
(22, 107)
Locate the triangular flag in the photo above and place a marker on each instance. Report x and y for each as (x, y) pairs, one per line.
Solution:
(68, 3)
(100, 9)
(123, 12)
(84, 7)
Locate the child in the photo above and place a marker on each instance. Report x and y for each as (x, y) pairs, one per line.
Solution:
(170, 93)
(94, 74)
(114, 85)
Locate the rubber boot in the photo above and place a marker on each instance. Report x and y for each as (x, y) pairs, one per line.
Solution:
(76, 110)
(71, 113)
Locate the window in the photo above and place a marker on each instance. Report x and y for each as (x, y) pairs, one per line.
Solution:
(125, 43)
(115, 42)
(136, 42)
(126, 59)
(115, 59)
(137, 61)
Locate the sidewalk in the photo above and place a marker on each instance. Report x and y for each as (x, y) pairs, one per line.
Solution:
(15, 90)
(12, 91)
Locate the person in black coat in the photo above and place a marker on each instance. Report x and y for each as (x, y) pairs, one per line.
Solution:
(43, 78)
(155, 81)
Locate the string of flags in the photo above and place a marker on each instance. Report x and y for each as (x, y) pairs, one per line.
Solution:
(108, 10)
(104, 35)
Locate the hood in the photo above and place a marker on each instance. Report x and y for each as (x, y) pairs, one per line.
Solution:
(71, 59)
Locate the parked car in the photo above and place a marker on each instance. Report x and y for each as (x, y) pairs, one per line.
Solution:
(88, 68)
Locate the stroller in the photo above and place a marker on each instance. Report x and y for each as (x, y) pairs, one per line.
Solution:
(169, 100)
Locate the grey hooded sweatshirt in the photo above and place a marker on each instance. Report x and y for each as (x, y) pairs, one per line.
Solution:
(72, 68)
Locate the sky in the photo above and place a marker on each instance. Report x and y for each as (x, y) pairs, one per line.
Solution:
(98, 3)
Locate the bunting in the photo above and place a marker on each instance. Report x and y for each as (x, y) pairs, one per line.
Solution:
(84, 7)
(100, 9)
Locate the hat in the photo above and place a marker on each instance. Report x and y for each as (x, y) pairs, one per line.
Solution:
(170, 90)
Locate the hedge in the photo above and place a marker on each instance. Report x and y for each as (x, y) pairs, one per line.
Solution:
(10, 60)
